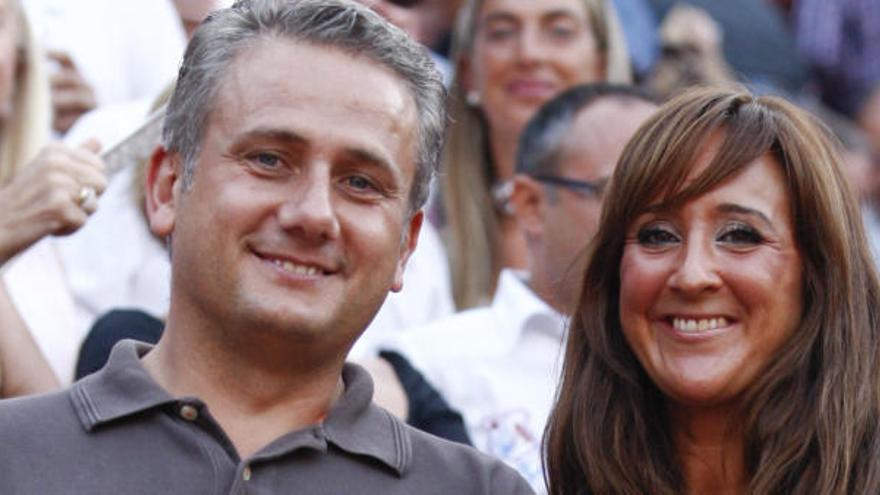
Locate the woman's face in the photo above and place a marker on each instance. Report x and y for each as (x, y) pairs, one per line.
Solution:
(8, 51)
(711, 290)
(526, 52)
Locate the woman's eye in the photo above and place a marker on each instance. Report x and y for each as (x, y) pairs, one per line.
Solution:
(561, 32)
(500, 32)
(740, 234)
(656, 236)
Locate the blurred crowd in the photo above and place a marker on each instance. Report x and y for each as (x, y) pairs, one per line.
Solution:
(471, 348)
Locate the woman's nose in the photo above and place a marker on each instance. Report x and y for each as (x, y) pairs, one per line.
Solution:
(696, 272)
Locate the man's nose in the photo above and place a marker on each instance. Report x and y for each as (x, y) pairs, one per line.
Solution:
(697, 271)
(309, 209)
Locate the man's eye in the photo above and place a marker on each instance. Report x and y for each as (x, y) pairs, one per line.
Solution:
(360, 183)
(740, 234)
(268, 160)
(656, 237)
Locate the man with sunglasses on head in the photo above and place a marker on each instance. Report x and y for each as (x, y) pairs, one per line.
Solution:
(499, 365)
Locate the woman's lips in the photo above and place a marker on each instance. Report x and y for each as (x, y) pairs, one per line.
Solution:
(690, 327)
(531, 89)
(698, 325)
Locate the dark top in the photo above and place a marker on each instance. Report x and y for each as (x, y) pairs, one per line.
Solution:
(117, 431)
(110, 328)
(428, 410)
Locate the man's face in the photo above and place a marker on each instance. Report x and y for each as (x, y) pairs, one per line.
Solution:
(589, 152)
(297, 220)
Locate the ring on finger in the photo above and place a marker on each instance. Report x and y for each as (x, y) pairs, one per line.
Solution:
(87, 197)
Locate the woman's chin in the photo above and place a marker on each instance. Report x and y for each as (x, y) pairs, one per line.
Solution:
(699, 391)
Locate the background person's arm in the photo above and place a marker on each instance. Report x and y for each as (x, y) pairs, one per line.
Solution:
(23, 368)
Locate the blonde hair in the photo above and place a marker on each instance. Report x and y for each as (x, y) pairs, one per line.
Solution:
(466, 173)
(26, 128)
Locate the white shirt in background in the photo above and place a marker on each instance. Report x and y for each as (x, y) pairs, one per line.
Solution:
(499, 366)
(126, 49)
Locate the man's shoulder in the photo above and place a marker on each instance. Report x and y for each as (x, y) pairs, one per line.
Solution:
(35, 411)
(34, 429)
(458, 468)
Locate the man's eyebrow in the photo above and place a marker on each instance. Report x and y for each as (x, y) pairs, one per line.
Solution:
(371, 159)
(283, 136)
(744, 210)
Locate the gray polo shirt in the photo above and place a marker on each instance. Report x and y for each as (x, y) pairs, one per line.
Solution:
(118, 432)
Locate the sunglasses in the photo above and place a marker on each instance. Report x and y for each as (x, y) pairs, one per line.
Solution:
(581, 187)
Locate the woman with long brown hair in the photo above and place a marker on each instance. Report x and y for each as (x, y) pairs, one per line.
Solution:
(726, 337)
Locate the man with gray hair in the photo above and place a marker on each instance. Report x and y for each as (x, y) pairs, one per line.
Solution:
(297, 150)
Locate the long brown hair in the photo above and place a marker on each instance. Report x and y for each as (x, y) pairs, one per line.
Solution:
(810, 422)
(467, 174)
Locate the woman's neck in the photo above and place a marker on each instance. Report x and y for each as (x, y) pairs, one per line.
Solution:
(512, 244)
(503, 143)
(710, 451)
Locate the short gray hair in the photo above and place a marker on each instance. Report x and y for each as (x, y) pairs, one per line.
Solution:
(340, 24)
(539, 143)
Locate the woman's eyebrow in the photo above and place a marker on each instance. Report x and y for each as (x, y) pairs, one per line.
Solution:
(744, 210)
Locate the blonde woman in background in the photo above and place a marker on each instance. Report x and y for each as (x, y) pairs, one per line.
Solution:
(510, 57)
(45, 189)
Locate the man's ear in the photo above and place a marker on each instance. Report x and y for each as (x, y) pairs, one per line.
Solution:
(529, 201)
(162, 190)
(407, 247)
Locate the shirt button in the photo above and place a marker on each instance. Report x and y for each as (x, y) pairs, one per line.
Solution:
(189, 412)
(246, 473)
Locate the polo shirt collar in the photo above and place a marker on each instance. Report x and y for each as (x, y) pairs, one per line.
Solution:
(124, 387)
(357, 426)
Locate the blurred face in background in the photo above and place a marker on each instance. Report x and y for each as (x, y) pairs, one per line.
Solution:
(401, 13)
(589, 153)
(525, 53)
(193, 12)
(427, 21)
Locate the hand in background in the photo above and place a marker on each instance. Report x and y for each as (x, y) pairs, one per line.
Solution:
(53, 195)
(72, 96)
(23, 368)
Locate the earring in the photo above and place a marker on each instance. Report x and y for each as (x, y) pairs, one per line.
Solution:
(473, 98)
